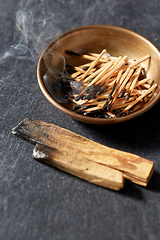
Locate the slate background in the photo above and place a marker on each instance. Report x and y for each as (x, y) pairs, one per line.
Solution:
(38, 201)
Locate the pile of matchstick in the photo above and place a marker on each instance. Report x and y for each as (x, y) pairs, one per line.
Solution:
(109, 86)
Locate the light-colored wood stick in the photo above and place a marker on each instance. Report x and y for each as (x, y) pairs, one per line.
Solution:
(145, 85)
(143, 81)
(115, 105)
(135, 167)
(93, 64)
(115, 94)
(88, 57)
(128, 75)
(78, 69)
(93, 57)
(75, 74)
(123, 103)
(103, 76)
(132, 82)
(112, 72)
(132, 65)
(102, 72)
(105, 57)
(81, 167)
(136, 76)
(118, 103)
(138, 92)
(106, 66)
(140, 97)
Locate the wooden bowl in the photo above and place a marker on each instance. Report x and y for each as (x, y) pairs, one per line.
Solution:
(117, 41)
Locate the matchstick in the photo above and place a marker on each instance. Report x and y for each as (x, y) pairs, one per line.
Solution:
(132, 65)
(93, 64)
(85, 56)
(135, 77)
(128, 75)
(108, 80)
(105, 67)
(139, 98)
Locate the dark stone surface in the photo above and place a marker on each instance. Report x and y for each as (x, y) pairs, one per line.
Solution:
(38, 201)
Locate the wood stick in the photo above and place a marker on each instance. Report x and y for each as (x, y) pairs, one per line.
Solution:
(129, 74)
(78, 69)
(80, 167)
(135, 167)
(102, 75)
(85, 56)
(133, 80)
(132, 65)
(93, 64)
(105, 57)
(143, 82)
(115, 94)
(138, 92)
(122, 103)
(139, 98)
(75, 74)
(145, 85)
(136, 76)
(119, 103)
(93, 75)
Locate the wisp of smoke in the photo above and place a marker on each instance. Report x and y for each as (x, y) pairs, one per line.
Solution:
(34, 30)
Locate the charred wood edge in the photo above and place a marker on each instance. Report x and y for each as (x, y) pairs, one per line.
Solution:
(18, 131)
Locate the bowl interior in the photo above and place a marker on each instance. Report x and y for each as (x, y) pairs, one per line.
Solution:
(117, 41)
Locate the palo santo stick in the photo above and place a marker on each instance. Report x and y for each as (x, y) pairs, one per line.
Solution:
(137, 181)
(80, 167)
(133, 166)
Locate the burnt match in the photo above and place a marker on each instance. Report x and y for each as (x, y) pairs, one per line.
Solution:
(108, 84)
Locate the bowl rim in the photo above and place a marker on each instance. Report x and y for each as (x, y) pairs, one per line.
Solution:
(88, 119)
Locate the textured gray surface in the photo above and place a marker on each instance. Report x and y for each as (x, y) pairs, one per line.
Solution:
(38, 201)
